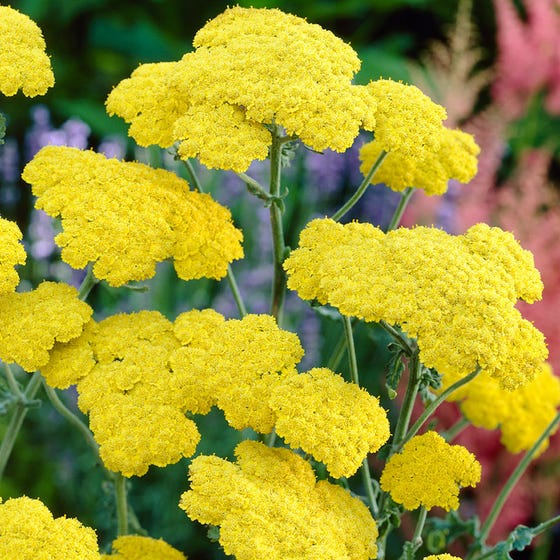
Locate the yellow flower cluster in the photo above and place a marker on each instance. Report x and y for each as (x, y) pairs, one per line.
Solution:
(11, 254)
(429, 472)
(336, 422)
(455, 294)
(135, 547)
(23, 62)
(251, 68)
(441, 557)
(126, 217)
(121, 369)
(522, 415)
(31, 323)
(28, 531)
(456, 158)
(269, 505)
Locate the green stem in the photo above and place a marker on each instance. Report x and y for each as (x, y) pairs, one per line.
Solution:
(122, 504)
(399, 337)
(403, 202)
(254, 187)
(70, 416)
(12, 382)
(87, 284)
(279, 246)
(350, 203)
(408, 403)
(430, 409)
(417, 537)
(513, 479)
(14, 426)
(456, 429)
(193, 177)
(336, 356)
(353, 362)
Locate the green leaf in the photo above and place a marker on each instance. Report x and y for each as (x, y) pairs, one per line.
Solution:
(395, 368)
(521, 537)
(213, 533)
(440, 532)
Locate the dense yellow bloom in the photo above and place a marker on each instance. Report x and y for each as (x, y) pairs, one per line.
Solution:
(407, 121)
(250, 68)
(126, 217)
(455, 159)
(135, 547)
(441, 557)
(269, 505)
(521, 415)
(233, 364)
(23, 62)
(28, 531)
(31, 323)
(429, 472)
(336, 422)
(11, 254)
(455, 294)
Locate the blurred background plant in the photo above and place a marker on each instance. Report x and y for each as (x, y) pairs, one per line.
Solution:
(495, 66)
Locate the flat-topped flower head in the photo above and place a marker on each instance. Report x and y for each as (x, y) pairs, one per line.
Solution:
(407, 121)
(251, 68)
(441, 557)
(429, 472)
(32, 322)
(269, 505)
(335, 421)
(28, 531)
(521, 415)
(24, 65)
(125, 217)
(12, 253)
(136, 547)
(455, 294)
(456, 158)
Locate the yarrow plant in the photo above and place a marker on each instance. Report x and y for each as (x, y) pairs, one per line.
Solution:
(259, 84)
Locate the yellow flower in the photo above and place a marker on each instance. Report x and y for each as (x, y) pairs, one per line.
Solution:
(269, 505)
(250, 68)
(429, 472)
(336, 422)
(441, 557)
(455, 294)
(31, 323)
(233, 364)
(23, 62)
(126, 217)
(28, 531)
(407, 121)
(455, 159)
(11, 254)
(521, 415)
(135, 547)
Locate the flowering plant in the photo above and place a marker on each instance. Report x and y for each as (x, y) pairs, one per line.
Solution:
(259, 84)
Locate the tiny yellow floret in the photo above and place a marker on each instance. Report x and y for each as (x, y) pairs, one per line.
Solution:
(429, 472)
(136, 547)
(24, 65)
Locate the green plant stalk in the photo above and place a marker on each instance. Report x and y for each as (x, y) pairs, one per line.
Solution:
(353, 362)
(513, 479)
(351, 202)
(122, 504)
(408, 403)
(278, 243)
(417, 537)
(450, 434)
(430, 409)
(12, 382)
(336, 356)
(230, 275)
(16, 421)
(405, 344)
(70, 416)
(21, 408)
(403, 202)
